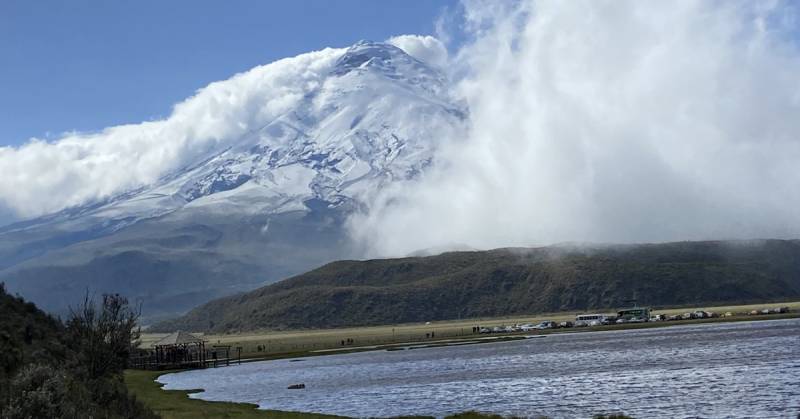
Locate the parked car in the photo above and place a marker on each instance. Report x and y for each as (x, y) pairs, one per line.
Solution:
(609, 320)
(565, 324)
(547, 324)
(699, 314)
(485, 330)
(527, 327)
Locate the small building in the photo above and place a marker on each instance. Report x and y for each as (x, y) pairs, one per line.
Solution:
(183, 350)
(180, 349)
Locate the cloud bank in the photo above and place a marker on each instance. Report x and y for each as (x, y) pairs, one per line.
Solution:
(41, 177)
(612, 121)
(603, 121)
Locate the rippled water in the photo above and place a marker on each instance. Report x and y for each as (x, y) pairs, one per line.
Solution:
(716, 370)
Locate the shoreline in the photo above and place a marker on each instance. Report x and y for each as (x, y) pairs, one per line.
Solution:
(176, 404)
(268, 344)
(508, 337)
(179, 404)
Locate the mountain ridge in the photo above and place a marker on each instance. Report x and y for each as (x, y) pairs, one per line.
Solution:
(507, 282)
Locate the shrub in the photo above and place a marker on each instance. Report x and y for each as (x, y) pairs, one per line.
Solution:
(41, 391)
(51, 371)
(103, 338)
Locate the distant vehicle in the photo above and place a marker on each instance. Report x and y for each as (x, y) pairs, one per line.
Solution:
(527, 327)
(583, 320)
(675, 317)
(485, 330)
(547, 324)
(658, 318)
(642, 313)
(687, 316)
(699, 314)
(609, 320)
(498, 329)
(510, 329)
(565, 324)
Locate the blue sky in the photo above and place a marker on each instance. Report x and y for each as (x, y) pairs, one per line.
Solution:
(85, 65)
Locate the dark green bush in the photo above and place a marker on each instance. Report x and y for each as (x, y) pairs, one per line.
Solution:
(49, 370)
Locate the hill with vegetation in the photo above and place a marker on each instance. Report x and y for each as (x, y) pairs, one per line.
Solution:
(49, 369)
(508, 282)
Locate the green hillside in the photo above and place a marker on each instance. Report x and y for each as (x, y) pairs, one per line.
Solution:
(49, 369)
(509, 281)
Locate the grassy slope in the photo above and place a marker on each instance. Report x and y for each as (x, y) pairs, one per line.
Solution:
(34, 345)
(27, 335)
(509, 282)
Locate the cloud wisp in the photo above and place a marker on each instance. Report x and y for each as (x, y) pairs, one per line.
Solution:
(611, 122)
(427, 49)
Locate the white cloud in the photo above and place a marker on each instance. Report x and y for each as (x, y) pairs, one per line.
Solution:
(612, 121)
(589, 121)
(424, 48)
(41, 177)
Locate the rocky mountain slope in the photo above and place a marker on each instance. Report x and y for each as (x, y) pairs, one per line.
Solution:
(252, 209)
(507, 282)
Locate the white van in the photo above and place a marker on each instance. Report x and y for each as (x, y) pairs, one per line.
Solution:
(583, 320)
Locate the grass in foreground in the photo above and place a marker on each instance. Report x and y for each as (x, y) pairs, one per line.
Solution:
(177, 404)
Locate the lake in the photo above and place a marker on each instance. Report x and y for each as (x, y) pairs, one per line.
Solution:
(711, 370)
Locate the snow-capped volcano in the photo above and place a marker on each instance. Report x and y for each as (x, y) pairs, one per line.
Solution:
(362, 117)
(374, 117)
(370, 120)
